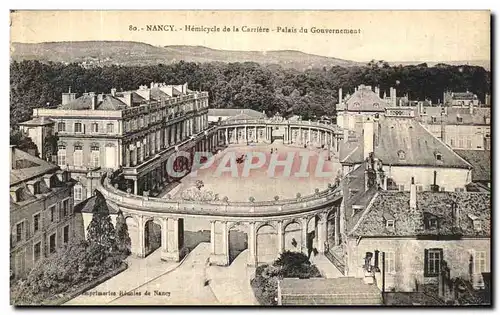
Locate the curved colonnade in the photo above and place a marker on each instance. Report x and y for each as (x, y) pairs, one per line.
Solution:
(270, 227)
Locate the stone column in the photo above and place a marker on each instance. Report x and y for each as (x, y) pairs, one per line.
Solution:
(127, 157)
(164, 239)
(172, 252)
(141, 246)
(322, 232)
(220, 256)
(235, 135)
(246, 136)
(226, 141)
(212, 237)
(281, 241)
(309, 140)
(252, 245)
(337, 228)
(304, 236)
(135, 186)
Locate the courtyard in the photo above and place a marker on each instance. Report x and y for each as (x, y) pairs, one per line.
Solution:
(263, 178)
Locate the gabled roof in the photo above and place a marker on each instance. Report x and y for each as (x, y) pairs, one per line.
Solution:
(28, 167)
(481, 163)
(84, 102)
(420, 147)
(248, 113)
(364, 99)
(37, 121)
(410, 222)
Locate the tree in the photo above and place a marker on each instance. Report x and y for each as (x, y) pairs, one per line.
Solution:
(123, 241)
(101, 230)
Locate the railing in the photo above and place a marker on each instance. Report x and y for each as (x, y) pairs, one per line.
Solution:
(336, 262)
(300, 123)
(280, 207)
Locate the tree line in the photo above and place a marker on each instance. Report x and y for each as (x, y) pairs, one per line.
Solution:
(268, 88)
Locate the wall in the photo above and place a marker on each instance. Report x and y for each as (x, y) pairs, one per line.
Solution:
(449, 178)
(468, 137)
(410, 256)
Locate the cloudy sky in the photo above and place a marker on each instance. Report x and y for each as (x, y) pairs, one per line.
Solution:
(387, 35)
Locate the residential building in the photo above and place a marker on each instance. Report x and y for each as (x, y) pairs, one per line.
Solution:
(129, 130)
(402, 149)
(481, 168)
(463, 128)
(41, 211)
(460, 99)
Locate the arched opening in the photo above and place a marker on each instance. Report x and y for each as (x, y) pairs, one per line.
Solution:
(238, 241)
(312, 236)
(195, 231)
(267, 244)
(293, 237)
(152, 237)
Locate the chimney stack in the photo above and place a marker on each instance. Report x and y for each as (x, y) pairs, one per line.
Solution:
(368, 137)
(12, 157)
(455, 214)
(413, 194)
(471, 108)
(340, 96)
(392, 95)
(93, 98)
(68, 97)
(346, 135)
(377, 91)
(113, 92)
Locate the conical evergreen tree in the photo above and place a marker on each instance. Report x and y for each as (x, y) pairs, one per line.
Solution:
(123, 241)
(101, 230)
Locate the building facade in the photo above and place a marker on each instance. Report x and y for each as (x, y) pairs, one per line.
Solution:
(101, 132)
(41, 211)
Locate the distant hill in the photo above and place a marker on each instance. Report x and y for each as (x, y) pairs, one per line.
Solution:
(135, 53)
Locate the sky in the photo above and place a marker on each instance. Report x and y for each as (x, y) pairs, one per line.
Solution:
(381, 35)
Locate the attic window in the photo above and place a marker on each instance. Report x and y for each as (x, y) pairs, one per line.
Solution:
(356, 104)
(401, 155)
(389, 224)
(434, 119)
(459, 119)
(439, 157)
(477, 225)
(432, 223)
(376, 105)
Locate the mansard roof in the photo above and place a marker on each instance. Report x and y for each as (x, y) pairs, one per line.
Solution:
(364, 99)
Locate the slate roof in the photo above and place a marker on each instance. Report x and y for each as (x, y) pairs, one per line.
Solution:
(411, 223)
(406, 134)
(28, 166)
(245, 113)
(37, 121)
(84, 102)
(157, 94)
(478, 117)
(87, 206)
(321, 291)
(481, 163)
(364, 99)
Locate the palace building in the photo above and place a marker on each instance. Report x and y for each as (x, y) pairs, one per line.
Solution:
(129, 130)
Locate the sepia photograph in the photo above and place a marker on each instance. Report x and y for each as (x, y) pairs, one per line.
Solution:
(250, 158)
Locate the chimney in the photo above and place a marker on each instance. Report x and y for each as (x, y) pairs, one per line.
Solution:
(127, 98)
(471, 108)
(340, 96)
(100, 97)
(368, 137)
(12, 157)
(393, 96)
(413, 194)
(113, 92)
(47, 178)
(455, 214)
(68, 97)
(93, 98)
(377, 91)
(346, 135)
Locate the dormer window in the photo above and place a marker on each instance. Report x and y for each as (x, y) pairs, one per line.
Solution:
(376, 105)
(389, 224)
(434, 119)
(477, 225)
(401, 155)
(459, 119)
(432, 223)
(356, 104)
(439, 157)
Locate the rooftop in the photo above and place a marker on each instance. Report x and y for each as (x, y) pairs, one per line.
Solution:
(396, 135)
(481, 163)
(364, 99)
(27, 167)
(236, 113)
(410, 222)
(37, 121)
(456, 115)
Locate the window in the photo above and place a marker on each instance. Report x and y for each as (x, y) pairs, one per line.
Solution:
(36, 222)
(439, 157)
(376, 105)
(37, 251)
(434, 119)
(432, 223)
(401, 187)
(390, 262)
(78, 156)
(401, 154)
(459, 119)
(452, 142)
(61, 155)
(78, 192)
(389, 224)
(78, 127)
(65, 208)
(461, 143)
(52, 243)
(94, 156)
(109, 128)
(66, 234)
(432, 262)
(19, 231)
(420, 187)
(479, 262)
(61, 126)
(52, 213)
(442, 189)
(469, 143)
(95, 127)
(460, 189)
(477, 225)
(356, 104)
